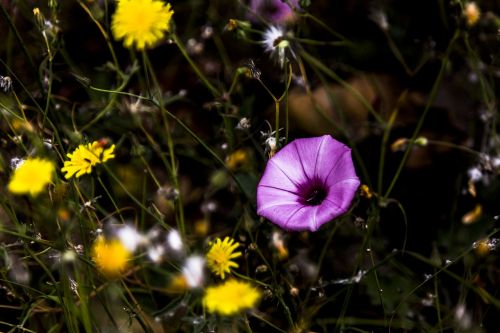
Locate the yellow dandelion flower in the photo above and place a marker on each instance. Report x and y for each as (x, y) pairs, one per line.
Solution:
(231, 297)
(85, 157)
(110, 256)
(31, 176)
(220, 254)
(141, 22)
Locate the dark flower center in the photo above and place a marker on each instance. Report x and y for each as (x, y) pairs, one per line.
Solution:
(314, 196)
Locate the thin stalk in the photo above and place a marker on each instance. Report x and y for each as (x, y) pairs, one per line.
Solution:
(170, 144)
(385, 139)
(324, 26)
(397, 54)
(108, 107)
(321, 42)
(377, 282)
(113, 202)
(432, 97)
(137, 201)
(104, 34)
(22, 44)
(264, 320)
(200, 75)
(246, 325)
(49, 89)
(275, 283)
(436, 302)
(277, 119)
(285, 96)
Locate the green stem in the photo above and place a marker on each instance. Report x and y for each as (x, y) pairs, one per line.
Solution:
(111, 198)
(385, 139)
(438, 305)
(277, 125)
(202, 77)
(21, 43)
(321, 42)
(324, 26)
(49, 89)
(264, 320)
(170, 144)
(108, 107)
(104, 34)
(432, 97)
(137, 201)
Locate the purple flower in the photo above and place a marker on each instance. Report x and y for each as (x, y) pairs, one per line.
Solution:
(275, 11)
(307, 183)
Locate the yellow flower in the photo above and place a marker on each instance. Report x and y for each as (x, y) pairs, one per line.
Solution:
(85, 157)
(471, 13)
(110, 256)
(31, 176)
(237, 159)
(365, 191)
(141, 22)
(220, 254)
(231, 297)
(473, 216)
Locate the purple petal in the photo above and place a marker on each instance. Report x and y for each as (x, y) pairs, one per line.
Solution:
(326, 212)
(343, 169)
(288, 161)
(308, 152)
(269, 197)
(342, 193)
(276, 11)
(285, 215)
(333, 156)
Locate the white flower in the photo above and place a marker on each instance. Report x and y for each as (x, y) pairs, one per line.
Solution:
(495, 162)
(380, 18)
(193, 271)
(275, 42)
(475, 174)
(174, 240)
(130, 237)
(244, 124)
(155, 253)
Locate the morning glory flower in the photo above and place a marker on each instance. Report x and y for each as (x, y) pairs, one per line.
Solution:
(307, 183)
(275, 11)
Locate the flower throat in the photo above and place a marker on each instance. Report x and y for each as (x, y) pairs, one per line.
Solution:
(314, 196)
